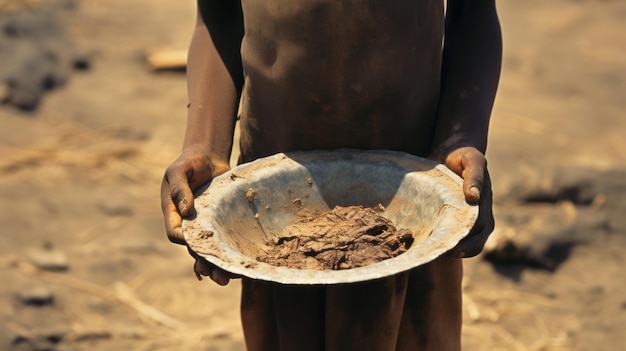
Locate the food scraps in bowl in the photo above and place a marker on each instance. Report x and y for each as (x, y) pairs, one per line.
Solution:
(342, 238)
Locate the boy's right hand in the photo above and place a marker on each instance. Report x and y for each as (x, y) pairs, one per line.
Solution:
(191, 170)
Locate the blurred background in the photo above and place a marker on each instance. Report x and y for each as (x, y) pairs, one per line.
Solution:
(93, 110)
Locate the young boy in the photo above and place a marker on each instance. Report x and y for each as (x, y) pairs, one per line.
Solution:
(325, 74)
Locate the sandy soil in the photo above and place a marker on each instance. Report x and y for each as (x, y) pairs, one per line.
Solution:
(80, 177)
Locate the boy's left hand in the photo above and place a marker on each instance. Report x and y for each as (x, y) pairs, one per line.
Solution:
(470, 164)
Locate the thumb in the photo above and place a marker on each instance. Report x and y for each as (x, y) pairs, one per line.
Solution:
(473, 185)
(470, 164)
(182, 195)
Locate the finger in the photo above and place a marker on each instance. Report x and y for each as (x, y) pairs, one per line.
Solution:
(201, 267)
(469, 247)
(173, 220)
(220, 277)
(181, 193)
(485, 219)
(474, 242)
(473, 175)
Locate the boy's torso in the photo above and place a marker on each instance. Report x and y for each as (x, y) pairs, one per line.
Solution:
(323, 74)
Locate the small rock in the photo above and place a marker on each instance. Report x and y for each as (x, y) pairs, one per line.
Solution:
(50, 260)
(53, 336)
(42, 340)
(38, 296)
(81, 62)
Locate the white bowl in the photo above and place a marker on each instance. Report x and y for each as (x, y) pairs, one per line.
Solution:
(231, 221)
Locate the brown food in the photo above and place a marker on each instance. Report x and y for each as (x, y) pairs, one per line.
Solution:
(343, 238)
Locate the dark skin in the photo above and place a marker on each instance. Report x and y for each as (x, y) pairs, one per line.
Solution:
(324, 74)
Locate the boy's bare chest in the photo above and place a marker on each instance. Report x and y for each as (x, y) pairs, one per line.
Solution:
(356, 20)
(340, 73)
(346, 44)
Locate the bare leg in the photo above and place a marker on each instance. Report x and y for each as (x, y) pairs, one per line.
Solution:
(432, 311)
(300, 317)
(365, 316)
(257, 315)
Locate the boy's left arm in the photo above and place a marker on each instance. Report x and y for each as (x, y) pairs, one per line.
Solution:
(470, 73)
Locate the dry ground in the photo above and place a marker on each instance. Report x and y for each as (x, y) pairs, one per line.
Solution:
(80, 177)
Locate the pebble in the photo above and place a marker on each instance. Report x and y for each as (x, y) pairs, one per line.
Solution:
(37, 296)
(43, 340)
(50, 260)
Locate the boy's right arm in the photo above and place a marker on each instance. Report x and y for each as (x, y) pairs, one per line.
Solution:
(214, 82)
